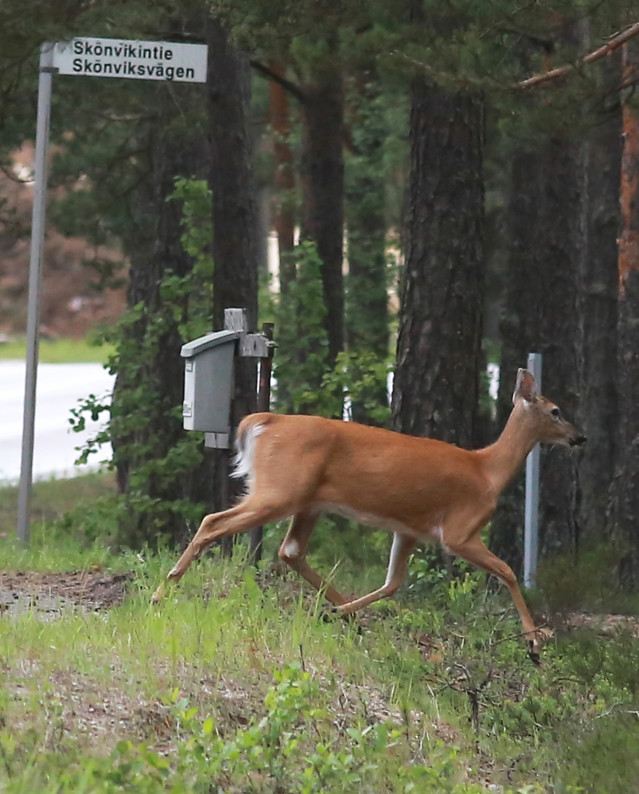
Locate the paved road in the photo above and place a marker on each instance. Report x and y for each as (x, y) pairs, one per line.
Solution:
(60, 386)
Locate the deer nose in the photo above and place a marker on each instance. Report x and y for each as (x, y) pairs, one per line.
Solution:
(577, 441)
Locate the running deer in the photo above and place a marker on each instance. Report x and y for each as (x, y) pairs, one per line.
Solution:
(417, 488)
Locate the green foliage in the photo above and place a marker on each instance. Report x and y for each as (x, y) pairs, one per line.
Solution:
(433, 694)
(301, 362)
(306, 383)
(197, 286)
(361, 377)
(272, 753)
(585, 584)
(142, 417)
(70, 521)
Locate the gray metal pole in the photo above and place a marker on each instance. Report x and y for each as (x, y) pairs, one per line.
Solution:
(35, 280)
(531, 527)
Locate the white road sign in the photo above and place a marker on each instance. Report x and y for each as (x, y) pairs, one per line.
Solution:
(138, 60)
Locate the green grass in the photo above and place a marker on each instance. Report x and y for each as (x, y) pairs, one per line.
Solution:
(50, 500)
(235, 684)
(58, 351)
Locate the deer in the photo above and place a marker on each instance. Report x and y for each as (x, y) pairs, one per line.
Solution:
(419, 489)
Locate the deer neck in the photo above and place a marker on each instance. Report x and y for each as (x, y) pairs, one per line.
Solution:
(503, 459)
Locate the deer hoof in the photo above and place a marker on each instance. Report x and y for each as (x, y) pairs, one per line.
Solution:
(330, 614)
(533, 653)
(157, 596)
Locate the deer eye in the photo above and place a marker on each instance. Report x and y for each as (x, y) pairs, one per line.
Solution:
(555, 413)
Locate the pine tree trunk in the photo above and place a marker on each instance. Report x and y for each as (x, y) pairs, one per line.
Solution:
(625, 489)
(284, 180)
(235, 245)
(598, 312)
(145, 425)
(235, 222)
(562, 251)
(322, 178)
(439, 358)
(547, 233)
(524, 297)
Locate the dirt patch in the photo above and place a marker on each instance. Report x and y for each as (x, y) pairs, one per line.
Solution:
(602, 624)
(73, 300)
(49, 594)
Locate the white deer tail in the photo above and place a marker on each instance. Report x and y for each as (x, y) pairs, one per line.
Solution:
(245, 452)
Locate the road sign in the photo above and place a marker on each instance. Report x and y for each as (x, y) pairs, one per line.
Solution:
(138, 60)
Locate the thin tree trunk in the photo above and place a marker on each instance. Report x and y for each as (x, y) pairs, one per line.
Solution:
(625, 489)
(322, 176)
(598, 312)
(284, 213)
(562, 251)
(522, 307)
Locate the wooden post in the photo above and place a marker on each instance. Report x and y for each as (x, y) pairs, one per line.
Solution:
(263, 404)
(234, 320)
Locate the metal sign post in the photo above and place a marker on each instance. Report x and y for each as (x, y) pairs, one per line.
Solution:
(141, 60)
(35, 279)
(531, 526)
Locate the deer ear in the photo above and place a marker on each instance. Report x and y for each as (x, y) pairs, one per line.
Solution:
(525, 388)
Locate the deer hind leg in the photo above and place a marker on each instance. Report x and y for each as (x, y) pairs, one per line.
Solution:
(248, 514)
(477, 554)
(293, 552)
(398, 561)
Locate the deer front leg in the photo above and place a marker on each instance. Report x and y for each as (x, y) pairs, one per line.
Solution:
(476, 553)
(243, 517)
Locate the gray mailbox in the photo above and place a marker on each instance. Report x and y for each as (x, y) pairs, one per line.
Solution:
(208, 380)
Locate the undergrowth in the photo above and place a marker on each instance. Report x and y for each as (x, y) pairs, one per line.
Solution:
(236, 684)
(240, 681)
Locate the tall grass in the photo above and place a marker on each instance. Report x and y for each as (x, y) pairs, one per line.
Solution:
(52, 548)
(237, 682)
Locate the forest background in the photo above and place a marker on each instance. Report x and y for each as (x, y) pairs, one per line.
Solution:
(482, 215)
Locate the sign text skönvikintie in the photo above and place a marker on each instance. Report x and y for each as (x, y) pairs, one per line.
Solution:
(141, 60)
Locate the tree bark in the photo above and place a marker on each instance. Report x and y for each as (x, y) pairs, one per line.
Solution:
(522, 307)
(562, 250)
(235, 220)
(559, 303)
(436, 383)
(235, 245)
(149, 384)
(598, 413)
(322, 179)
(284, 180)
(547, 229)
(625, 489)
